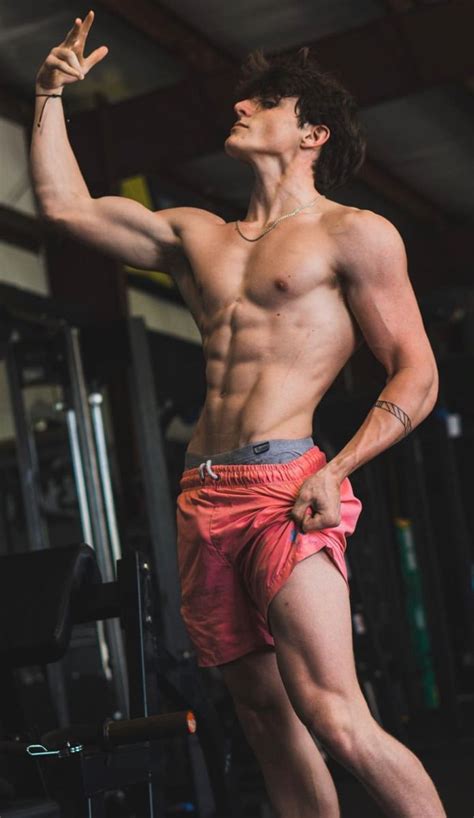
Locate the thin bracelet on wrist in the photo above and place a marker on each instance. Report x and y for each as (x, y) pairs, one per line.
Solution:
(44, 106)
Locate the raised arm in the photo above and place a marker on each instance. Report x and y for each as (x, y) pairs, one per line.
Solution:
(118, 226)
(373, 269)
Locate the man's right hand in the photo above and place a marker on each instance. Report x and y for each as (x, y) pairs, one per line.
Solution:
(66, 62)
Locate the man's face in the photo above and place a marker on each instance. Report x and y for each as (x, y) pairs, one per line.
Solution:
(264, 127)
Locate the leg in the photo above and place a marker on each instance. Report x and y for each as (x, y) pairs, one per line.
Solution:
(311, 624)
(298, 781)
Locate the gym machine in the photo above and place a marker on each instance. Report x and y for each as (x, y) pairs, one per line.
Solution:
(43, 594)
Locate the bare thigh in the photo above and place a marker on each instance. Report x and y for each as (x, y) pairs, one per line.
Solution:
(311, 623)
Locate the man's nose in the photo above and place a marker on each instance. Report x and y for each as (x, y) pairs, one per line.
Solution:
(243, 107)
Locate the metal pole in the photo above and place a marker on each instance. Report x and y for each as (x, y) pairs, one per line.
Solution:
(95, 401)
(86, 526)
(96, 506)
(79, 477)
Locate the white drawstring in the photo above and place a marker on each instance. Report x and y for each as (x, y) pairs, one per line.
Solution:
(207, 465)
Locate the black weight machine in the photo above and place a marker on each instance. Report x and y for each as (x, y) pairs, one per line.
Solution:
(42, 595)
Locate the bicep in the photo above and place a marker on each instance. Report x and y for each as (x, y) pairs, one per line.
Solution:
(122, 228)
(380, 295)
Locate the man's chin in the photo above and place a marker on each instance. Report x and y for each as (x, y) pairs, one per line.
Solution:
(234, 150)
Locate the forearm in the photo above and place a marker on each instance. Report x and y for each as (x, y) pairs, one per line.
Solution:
(406, 400)
(56, 176)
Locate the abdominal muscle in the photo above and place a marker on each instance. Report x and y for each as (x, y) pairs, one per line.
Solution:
(267, 370)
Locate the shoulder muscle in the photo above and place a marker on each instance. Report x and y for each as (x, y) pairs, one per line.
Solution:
(370, 248)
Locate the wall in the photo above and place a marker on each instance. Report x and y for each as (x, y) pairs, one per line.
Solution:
(18, 266)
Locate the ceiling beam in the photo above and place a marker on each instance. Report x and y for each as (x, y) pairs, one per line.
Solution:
(171, 33)
(372, 59)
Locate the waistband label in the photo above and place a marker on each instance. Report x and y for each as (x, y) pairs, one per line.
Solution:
(261, 448)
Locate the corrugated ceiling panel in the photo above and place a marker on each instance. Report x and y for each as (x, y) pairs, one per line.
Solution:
(427, 141)
(247, 24)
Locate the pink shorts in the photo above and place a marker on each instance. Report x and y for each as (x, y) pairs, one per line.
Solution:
(237, 546)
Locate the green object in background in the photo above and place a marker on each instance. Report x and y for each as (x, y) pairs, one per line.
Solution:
(416, 613)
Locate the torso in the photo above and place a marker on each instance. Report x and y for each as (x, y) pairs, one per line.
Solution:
(275, 326)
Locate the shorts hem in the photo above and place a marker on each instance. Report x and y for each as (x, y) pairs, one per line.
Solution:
(237, 653)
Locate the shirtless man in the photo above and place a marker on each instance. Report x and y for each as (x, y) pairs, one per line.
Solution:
(282, 300)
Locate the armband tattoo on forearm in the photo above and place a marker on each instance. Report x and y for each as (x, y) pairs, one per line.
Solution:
(395, 410)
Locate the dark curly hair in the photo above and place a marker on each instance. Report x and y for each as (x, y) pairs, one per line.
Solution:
(322, 99)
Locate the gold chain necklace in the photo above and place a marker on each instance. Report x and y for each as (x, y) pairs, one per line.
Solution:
(277, 221)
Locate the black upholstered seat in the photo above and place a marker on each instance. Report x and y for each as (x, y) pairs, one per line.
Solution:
(37, 594)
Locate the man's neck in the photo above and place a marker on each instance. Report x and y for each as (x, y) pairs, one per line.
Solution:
(277, 192)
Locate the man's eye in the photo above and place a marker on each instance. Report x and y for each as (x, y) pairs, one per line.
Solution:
(268, 102)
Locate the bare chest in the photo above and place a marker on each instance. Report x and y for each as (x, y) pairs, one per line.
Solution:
(276, 271)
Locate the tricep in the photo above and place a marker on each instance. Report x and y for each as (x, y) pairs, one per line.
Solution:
(119, 227)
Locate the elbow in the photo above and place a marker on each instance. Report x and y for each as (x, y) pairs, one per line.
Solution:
(47, 210)
(45, 200)
(431, 389)
(59, 210)
(62, 214)
(57, 219)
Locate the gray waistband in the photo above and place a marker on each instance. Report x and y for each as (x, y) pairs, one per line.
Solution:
(266, 451)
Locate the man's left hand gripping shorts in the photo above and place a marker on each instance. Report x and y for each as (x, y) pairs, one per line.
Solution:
(238, 544)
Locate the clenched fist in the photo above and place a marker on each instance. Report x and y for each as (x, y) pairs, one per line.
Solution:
(66, 62)
(318, 504)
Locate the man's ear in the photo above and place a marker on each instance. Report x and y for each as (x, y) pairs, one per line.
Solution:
(314, 136)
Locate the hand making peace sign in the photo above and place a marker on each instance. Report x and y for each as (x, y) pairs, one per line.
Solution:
(66, 62)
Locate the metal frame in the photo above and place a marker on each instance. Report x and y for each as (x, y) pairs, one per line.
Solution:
(161, 515)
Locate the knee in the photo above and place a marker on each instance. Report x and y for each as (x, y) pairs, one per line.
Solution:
(340, 725)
